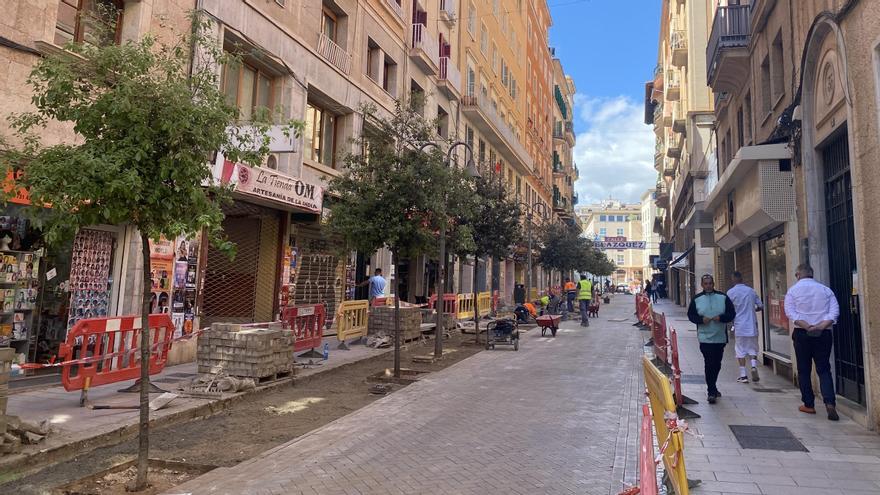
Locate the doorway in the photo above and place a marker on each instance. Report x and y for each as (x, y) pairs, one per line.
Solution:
(843, 268)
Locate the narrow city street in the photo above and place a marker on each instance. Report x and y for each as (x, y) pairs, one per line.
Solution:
(557, 417)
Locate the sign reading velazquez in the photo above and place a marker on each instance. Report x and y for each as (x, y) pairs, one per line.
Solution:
(620, 244)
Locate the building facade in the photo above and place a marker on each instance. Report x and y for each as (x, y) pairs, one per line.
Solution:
(650, 220)
(680, 107)
(796, 88)
(616, 228)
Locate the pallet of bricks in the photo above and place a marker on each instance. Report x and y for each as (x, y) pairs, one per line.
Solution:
(382, 322)
(262, 353)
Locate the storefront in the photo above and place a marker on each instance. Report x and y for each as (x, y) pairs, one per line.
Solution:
(45, 289)
(774, 279)
(281, 257)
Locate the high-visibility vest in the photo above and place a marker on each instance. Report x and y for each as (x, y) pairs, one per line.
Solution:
(585, 290)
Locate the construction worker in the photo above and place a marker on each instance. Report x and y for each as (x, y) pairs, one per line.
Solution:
(584, 297)
(570, 294)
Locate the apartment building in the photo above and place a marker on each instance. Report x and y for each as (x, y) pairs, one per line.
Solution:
(565, 172)
(617, 229)
(651, 229)
(679, 105)
(797, 118)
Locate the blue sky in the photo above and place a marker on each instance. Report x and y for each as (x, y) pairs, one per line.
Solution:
(609, 47)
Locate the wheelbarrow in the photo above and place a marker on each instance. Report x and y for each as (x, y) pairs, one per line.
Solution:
(548, 322)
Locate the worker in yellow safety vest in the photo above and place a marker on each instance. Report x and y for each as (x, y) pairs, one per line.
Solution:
(584, 296)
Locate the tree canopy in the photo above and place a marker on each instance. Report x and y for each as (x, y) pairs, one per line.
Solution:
(564, 249)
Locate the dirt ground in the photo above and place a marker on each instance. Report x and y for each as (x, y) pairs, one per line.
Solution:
(250, 427)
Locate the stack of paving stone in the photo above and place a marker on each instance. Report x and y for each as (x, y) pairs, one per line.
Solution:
(382, 322)
(244, 351)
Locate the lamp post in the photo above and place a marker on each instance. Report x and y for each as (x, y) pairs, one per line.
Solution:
(530, 211)
(441, 275)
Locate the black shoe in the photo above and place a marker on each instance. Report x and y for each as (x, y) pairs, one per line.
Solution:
(711, 399)
(832, 413)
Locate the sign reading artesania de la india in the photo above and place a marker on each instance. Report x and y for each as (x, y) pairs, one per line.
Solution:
(619, 243)
(269, 184)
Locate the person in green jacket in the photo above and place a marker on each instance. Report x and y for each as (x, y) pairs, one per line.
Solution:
(711, 311)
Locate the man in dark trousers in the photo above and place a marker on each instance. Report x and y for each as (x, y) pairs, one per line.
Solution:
(813, 308)
(711, 311)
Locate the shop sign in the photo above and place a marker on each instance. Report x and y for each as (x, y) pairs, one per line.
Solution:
(270, 184)
(624, 244)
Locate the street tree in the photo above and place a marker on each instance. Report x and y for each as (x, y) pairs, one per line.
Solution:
(494, 220)
(391, 191)
(563, 248)
(148, 115)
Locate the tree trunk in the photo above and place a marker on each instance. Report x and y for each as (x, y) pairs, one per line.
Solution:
(396, 313)
(476, 306)
(144, 424)
(439, 331)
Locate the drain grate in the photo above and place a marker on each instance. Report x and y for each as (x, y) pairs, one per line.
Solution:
(693, 379)
(769, 390)
(767, 438)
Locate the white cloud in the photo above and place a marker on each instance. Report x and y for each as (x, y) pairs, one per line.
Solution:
(615, 155)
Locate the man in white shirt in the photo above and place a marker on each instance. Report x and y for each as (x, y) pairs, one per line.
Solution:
(745, 325)
(814, 310)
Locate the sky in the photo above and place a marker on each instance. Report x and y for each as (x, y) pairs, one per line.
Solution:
(609, 47)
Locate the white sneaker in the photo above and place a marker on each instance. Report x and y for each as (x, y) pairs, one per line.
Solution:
(743, 379)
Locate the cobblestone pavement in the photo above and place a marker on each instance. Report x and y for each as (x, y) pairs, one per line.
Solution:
(843, 457)
(557, 417)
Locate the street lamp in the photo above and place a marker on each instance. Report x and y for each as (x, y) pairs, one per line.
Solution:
(530, 211)
(441, 275)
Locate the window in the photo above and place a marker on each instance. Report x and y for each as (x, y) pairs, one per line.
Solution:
(374, 57)
(417, 97)
(740, 127)
(330, 25)
(471, 89)
(320, 135)
(247, 88)
(777, 67)
(494, 58)
(621, 259)
(603, 232)
(472, 19)
(603, 218)
(621, 218)
(389, 76)
(766, 100)
(95, 22)
(484, 39)
(442, 123)
(469, 136)
(481, 153)
(619, 232)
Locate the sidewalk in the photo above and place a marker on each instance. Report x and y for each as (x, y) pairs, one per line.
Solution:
(77, 429)
(842, 457)
(560, 416)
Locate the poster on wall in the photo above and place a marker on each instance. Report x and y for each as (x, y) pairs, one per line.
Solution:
(161, 272)
(90, 275)
(183, 300)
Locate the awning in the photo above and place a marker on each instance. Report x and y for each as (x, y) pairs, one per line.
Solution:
(745, 160)
(681, 261)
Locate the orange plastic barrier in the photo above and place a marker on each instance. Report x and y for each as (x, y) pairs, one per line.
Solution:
(647, 465)
(307, 323)
(676, 369)
(450, 303)
(110, 350)
(658, 330)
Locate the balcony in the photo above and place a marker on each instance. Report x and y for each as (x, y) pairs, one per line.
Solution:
(574, 199)
(450, 78)
(557, 131)
(678, 43)
(395, 7)
(727, 56)
(481, 111)
(673, 86)
(558, 167)
(425, 50)
(447, 11)
(658, 114)
(659, 152)
(334, 54)
(669, 164)
(679, 118)
(569, 132)
(662, 195)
